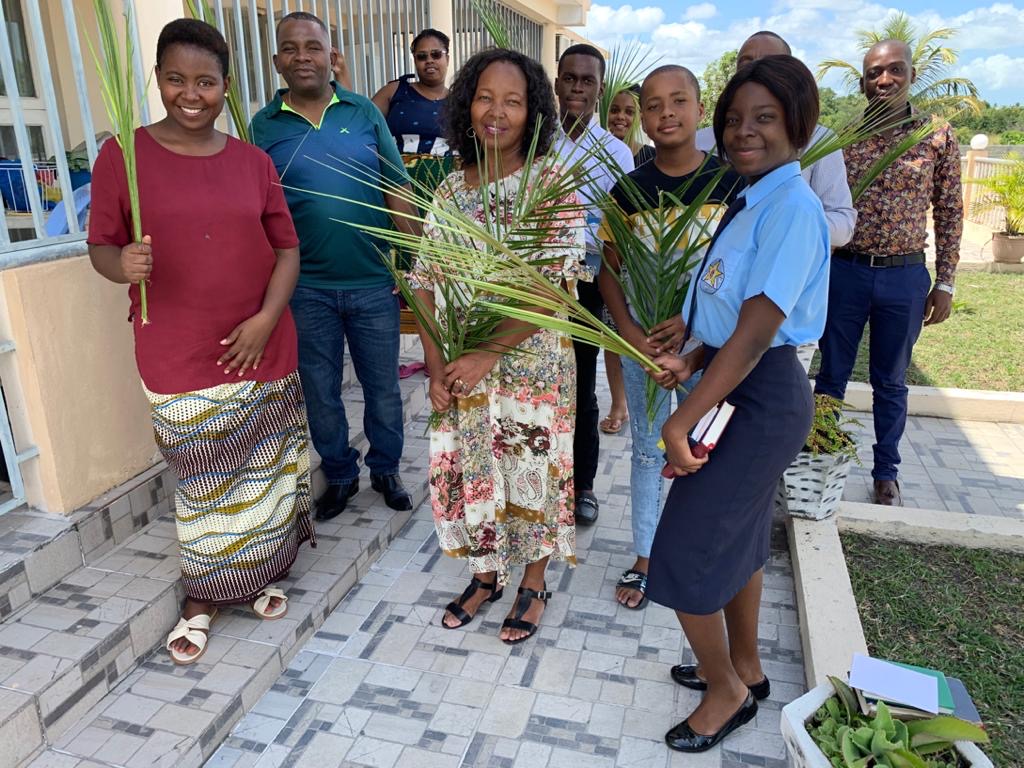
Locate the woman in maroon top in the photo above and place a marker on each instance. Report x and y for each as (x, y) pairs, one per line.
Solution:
(218, 357)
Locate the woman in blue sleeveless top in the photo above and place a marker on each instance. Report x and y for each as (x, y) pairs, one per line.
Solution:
(413, 103)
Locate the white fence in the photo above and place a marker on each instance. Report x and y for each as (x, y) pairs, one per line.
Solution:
(981, 168)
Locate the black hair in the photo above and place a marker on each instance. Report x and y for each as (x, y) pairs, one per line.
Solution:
(769, 33)
(788, 80)
(903, 45)
(428, 32)
(674, 68)
(303, 16)
(582, 49)
(540, 103)
(197, 34)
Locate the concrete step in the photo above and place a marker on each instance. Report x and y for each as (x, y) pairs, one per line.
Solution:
(81, 652)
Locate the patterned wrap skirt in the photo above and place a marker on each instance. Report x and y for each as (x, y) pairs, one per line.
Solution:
(243, 496)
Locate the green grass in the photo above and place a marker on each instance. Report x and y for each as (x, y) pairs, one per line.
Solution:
(978, 347)
(955, 609)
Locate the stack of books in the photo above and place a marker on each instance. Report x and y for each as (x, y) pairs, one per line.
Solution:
(910, 692)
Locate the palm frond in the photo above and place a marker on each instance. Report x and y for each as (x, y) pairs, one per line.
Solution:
(493, 266)
(117, 88)
(625, 67)
(490, 16)
(201, 10)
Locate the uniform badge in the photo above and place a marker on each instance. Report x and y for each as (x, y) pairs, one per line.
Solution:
(713, 277)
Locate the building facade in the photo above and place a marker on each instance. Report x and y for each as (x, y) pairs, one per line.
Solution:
(76, 422)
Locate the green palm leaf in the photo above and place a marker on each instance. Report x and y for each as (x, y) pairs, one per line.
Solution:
(625, 67)
(117, 88)
(489, 12)
(201, 10)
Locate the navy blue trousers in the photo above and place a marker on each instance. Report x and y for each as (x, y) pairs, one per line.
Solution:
(892, 300)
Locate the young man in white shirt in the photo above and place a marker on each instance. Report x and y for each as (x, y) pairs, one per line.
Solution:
(578, 86)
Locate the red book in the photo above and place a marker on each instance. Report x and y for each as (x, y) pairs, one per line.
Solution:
(706, 433)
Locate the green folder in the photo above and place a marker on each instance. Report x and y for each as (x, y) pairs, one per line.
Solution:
(945, 694)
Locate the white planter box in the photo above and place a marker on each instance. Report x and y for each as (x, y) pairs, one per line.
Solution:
(804, 753)
(812, 486)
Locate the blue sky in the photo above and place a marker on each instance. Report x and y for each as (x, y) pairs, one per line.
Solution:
(990, 37)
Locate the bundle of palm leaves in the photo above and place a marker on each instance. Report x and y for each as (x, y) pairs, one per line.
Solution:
(114, 65)
(489, 269)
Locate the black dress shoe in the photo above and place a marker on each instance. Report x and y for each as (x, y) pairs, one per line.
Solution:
(335, 499)
(686, 676)
(395, 495)
(586, 508)
(683, 738)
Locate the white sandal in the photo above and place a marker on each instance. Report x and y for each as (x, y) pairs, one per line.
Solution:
(262, 605)
(197, 631)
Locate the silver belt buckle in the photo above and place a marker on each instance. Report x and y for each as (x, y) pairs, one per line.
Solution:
(872, 262)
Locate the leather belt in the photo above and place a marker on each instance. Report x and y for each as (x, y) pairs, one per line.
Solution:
(877, 261)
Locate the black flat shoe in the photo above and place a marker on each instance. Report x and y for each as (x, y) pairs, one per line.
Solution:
(683, 738)
(525, 596)
(455, 607)
(335, 499)
(395, 495)
(586, 508)
(686, 676)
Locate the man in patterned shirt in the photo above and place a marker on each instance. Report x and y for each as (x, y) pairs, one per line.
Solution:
(880, 276)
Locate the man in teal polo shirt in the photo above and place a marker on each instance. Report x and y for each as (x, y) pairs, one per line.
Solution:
(320, 136)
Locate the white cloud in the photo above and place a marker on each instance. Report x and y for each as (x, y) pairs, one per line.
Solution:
(700, 11)
(989, 38)
(605, 22)
(996, 72)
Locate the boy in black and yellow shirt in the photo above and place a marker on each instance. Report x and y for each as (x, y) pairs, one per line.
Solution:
(671, 110)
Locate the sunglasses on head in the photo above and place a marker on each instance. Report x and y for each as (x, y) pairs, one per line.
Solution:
(434, 54)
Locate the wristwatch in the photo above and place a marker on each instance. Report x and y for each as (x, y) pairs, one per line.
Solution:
(944, 288)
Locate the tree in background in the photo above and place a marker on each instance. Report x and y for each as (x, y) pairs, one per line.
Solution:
(933, 92)
(712, 82)
(1003, 125)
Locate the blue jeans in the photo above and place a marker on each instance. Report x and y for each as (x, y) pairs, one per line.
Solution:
(892, 300)
(645, 481)
(368, 320)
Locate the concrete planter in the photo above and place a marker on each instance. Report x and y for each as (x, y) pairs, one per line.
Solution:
(1007, 249)
(804, 753)
(812, 486)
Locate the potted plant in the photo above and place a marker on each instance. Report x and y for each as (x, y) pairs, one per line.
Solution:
(812, 486)
(1005, 191)
(824, 728)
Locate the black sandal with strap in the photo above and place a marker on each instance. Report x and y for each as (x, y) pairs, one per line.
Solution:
(455, 607)
(637, 582)
(523, 600)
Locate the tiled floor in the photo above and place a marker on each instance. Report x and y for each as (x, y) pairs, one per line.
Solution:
(960, 466)
(381, 684)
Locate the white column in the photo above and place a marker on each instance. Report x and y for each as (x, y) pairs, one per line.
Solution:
(442, 19)
(548, 54)
(151, 17)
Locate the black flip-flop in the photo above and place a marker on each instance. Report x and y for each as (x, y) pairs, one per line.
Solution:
(636, 581)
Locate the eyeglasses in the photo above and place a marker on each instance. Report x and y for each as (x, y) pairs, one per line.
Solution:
(435, 54)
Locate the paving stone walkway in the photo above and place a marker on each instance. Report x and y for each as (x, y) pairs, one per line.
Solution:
(381, 684)
(972, 467)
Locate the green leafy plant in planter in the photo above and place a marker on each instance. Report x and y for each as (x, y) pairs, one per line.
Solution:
(829, 434)
(850, 739)
(1006, 192)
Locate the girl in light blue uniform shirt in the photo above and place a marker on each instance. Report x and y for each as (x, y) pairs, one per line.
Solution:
(761, 291)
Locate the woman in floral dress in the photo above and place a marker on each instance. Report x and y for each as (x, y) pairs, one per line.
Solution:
(501, 474)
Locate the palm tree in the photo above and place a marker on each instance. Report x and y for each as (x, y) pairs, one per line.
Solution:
(932, 92)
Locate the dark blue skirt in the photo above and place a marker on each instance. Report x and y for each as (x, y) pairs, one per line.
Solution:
(715, 530)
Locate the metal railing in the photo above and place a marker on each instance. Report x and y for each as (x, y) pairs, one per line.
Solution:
(469, 35)
(13, 459)
(30, 189)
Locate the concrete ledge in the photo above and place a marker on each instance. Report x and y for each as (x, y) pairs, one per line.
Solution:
(926, 526)
(830, 628)
(950, 403)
